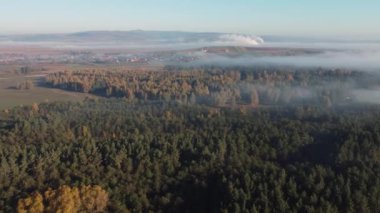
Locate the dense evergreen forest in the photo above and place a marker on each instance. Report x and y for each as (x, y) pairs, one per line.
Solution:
(118, 156)
(226, 86)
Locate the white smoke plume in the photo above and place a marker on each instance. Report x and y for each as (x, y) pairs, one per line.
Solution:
(242, 40)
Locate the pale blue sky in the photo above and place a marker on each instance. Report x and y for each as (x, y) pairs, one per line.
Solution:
(278, 17)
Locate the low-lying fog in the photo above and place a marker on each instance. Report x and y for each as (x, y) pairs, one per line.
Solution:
(349, 59)
(358, 56)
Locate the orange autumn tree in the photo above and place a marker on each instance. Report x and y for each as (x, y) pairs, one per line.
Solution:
(32, 204)
(66, 199)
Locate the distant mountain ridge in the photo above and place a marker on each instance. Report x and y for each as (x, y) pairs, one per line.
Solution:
(173, 37)
(140, 36)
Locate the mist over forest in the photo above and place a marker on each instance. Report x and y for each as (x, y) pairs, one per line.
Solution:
(169, 121)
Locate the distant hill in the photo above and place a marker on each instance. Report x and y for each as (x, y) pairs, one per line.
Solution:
(316, 39)
(141, 37)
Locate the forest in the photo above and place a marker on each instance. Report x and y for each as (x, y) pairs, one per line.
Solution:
(222, 86)
(169, 106)
(113, 155)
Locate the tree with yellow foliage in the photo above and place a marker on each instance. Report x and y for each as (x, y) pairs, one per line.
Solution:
(32, 204)
(66, 199)
(35, 107)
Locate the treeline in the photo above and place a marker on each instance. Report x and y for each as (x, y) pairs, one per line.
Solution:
(164, 157)
(217, 86)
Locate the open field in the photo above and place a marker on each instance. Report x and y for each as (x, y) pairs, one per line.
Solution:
(14, 60)
(10, 97)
